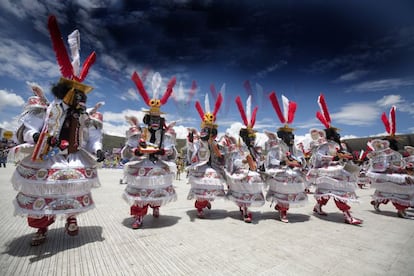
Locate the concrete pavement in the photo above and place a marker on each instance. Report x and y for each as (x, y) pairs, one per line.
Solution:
(178, 243)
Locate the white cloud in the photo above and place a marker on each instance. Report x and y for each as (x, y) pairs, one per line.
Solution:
(11, 125)
(131, 94)
(361, 114)
(390, 100)
(402, 104)
(381, 85)
(10, 99)
(351, 76)
(25, 62)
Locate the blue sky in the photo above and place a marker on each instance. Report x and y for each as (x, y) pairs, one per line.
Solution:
(359, 54)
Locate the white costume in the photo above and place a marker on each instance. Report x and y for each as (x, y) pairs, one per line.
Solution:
(245, 185)
(57, 177)
(150, 177)
(206, 174)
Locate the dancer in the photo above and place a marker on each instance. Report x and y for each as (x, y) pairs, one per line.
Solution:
(409, 160)
(328, 161)
(284, 174)
(92, 136)
(133, 138)
(58, 176)
(206, 173)
(245, 186)
(388, 171)
(362, 161)
(150, 179)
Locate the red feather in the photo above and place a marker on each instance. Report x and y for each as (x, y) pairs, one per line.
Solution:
(276, 107)
(291, 112)
(213, 91)
(62, 57)
(386, 123)
(322, 119)
(217, 106)
(86, 65)
(169, 90)
(199, 109)
(192, 91)
(248, 87)
(364, 155)
(135, 78)
(253, 119)
(393, 126)
(324, 108)
(241, 110)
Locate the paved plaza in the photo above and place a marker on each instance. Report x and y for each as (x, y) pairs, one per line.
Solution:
(179, 243)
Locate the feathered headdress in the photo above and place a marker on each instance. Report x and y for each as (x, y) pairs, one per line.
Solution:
(389, 123)
(323, 114)
(289, 109)
(154, 103)
(94, 114)
(39, 99)
(71, 73)
(134, 128)
(248, 117)
(208, 118)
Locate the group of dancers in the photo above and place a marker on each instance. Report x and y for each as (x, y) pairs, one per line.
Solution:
(61, 144)
(283, 175)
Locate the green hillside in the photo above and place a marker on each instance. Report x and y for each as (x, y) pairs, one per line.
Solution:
(109, 142)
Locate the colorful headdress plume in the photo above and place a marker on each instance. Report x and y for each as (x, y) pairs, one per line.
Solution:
(389, 123)
(209, 118)
(289, 109)
(248, 117)
(154, 103)
(134, 128)
(70, 71)
(323, 114)
(94, 114)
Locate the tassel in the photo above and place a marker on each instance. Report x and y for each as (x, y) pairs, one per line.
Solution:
(241, 110)
(169, 90)
(135, 78)
(62, 57)
(276, 107)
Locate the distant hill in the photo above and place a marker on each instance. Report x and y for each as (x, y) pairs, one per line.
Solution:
(109, 142)
(356, 144)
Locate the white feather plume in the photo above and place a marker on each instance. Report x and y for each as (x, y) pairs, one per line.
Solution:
(207, 105)
(74, 44)
(285, 102)
(249, 108)
(156, 84)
